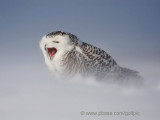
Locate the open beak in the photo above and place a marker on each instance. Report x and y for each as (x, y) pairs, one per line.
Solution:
(51, 52)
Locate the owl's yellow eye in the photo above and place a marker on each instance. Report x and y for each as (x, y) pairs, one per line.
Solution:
(56, 41)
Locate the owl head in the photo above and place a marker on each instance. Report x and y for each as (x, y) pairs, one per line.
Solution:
(57, 43)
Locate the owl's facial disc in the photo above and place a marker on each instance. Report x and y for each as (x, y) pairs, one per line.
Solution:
(51, 52)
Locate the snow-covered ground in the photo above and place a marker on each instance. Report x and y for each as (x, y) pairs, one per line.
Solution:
(29, 92)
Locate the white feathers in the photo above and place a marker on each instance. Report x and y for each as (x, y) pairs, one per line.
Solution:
(66, 55)
(63, 45)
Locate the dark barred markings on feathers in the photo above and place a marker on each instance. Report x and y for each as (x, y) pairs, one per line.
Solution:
(91, 63)
(80, 57)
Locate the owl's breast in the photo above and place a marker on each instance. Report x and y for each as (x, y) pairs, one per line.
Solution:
(56, 64)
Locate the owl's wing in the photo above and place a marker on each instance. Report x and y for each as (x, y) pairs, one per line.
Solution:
(97, 55)
(103, 63)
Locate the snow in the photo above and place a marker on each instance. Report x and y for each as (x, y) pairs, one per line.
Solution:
(29, 92)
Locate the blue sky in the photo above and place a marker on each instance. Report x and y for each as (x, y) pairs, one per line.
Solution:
(119, 23)
(124, 28)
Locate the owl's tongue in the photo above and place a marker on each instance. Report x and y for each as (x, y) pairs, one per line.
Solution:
(51, 52)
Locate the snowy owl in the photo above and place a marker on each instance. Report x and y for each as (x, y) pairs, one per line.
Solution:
(66, 55)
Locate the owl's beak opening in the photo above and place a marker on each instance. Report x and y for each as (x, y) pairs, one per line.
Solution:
(51, 52)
